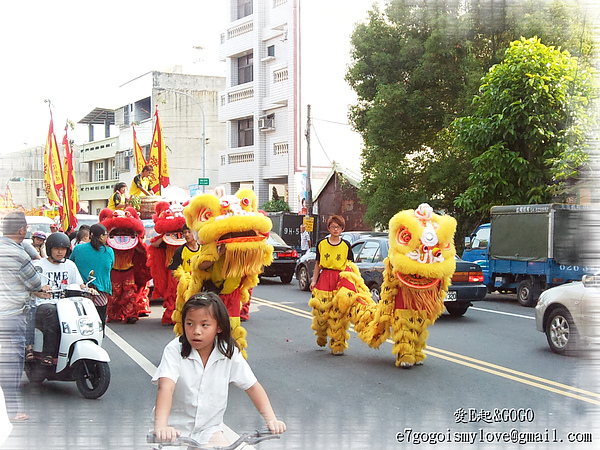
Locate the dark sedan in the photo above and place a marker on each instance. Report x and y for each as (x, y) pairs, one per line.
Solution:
(284, 260)
(369, 253)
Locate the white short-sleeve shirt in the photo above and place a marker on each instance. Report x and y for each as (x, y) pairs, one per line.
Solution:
(200, 396)
(56, 274)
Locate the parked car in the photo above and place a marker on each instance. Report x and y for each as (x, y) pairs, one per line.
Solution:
(38, 223)
(467, 281)
(566, 314)
(86, 219)
(284, 259)
(306, 264)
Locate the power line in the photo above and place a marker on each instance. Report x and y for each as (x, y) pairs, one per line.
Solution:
(332, 121)
(321, 145)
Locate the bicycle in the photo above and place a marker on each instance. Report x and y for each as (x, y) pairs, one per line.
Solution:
(251, 438)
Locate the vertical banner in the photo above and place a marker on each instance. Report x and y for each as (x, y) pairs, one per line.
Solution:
(158, 158)
(53, 182)
(140, 161)
(70, 197)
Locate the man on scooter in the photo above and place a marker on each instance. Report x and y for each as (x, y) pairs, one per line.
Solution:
(58, 272)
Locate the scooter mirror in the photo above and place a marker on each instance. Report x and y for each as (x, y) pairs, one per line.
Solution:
(91, 274)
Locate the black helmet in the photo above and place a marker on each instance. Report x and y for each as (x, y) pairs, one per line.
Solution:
(57, 240)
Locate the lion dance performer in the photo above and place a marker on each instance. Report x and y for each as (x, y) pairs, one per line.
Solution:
(232, 234)
(417, 274)
(168, 223)
(130, 274)
(340, 295)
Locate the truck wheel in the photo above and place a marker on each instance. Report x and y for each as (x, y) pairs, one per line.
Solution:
(561, 332)
(525, 293)
(93, 378)
(303, 279)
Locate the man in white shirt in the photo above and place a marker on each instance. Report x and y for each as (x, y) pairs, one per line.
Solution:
(304, 239)
(57, 272)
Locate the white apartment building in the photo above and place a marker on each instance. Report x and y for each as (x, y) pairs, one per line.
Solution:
(188, 110)
(260, 104)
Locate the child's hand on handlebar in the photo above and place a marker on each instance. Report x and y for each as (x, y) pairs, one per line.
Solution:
(167, 434)
(276, 426)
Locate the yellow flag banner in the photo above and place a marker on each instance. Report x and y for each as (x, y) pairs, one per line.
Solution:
(140, 161)
(71, 197)
(8, 198)
(158, 158)
(53, 182)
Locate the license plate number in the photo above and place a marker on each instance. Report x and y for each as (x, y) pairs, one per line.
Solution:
(451, 297)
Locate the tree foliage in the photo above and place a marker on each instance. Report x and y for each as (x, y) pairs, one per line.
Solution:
(416, 67)
(526, 136)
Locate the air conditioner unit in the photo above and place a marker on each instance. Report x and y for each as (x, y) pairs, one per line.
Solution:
(266, 123)
(128, 153)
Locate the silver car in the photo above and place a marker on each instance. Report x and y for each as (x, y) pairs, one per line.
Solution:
(569, 314)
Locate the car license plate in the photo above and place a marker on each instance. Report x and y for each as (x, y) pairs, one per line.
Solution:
(451, 297)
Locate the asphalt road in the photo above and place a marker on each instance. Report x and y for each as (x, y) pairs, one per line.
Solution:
(487, 373)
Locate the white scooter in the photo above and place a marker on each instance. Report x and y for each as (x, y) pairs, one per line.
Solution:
(81, 357)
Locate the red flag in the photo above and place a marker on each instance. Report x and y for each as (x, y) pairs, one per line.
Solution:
(158, 158)
(140, 161)
(71, 197)
(53, 182)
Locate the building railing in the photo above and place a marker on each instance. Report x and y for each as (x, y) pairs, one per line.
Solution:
(277, 3)
(240, 29)
(280, 148)
(280, 75)
(242, 94)
(240, 158)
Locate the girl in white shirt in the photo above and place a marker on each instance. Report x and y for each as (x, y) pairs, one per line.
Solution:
(194, 375)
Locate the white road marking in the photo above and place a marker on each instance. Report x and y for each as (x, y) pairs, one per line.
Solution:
(502, 312)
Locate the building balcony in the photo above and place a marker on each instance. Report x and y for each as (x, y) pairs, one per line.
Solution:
(98, 150)
(96, 190)
(237, 101)
(238, 164)
(238, 37)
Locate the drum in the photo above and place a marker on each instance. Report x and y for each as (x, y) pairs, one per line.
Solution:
(147, 204)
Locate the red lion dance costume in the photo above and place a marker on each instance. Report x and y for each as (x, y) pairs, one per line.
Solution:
(168, 223)
(130, 275)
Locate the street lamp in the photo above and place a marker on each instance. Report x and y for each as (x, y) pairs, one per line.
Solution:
(203, 127)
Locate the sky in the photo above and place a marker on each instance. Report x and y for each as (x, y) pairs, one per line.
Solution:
(78, 53)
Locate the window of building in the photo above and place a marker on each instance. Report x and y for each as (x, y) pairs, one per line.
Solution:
(142, 109)
(245, 132)
(245, 69)
(271, 50)
(127, 109)
(112, 169)
(99, 171)
(244, 8)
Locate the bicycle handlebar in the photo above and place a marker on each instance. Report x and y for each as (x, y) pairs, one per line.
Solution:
(251, 438)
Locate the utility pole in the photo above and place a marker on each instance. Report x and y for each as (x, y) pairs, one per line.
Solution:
(308, 183)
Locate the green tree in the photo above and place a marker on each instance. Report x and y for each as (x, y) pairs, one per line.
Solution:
(416, 68)
(527, 134)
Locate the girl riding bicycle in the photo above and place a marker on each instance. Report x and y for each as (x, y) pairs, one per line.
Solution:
(194, 375)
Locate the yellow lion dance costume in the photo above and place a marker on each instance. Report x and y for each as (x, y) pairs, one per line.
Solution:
(417, 274)
(233, 251)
